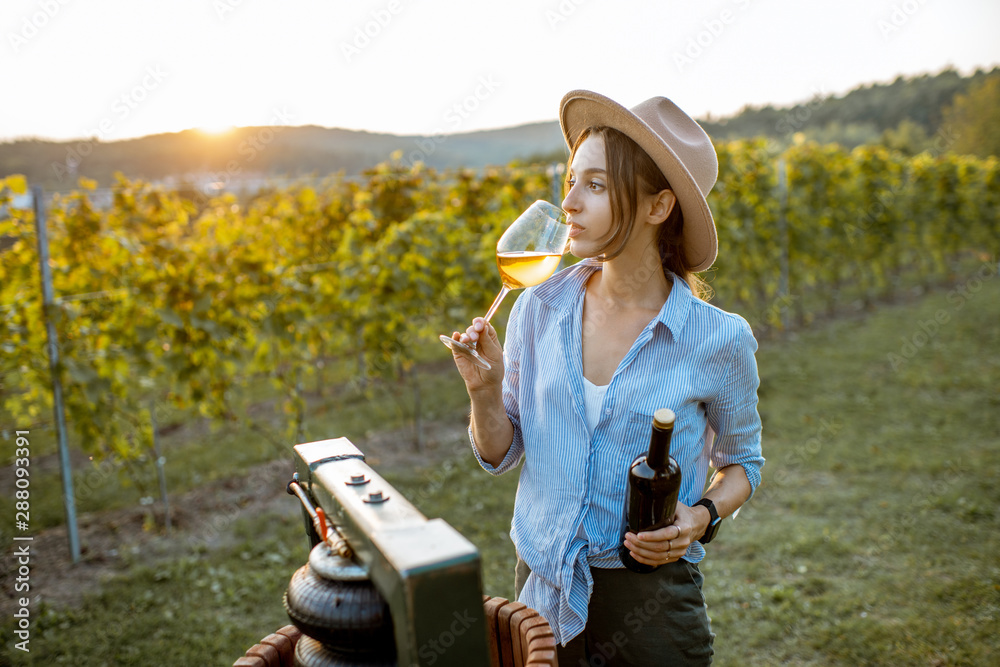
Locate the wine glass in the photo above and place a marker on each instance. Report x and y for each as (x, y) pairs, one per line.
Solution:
(527, 254)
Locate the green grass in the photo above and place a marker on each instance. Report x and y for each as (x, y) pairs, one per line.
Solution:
(872, 541)
(199, 609)
(874, 536)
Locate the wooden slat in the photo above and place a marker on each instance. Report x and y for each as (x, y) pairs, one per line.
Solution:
(284, 646)
(505, 642)
(492, 607)
(250, 661)
(545, 659)
(540, 642)
(517, 619)
(292, 632)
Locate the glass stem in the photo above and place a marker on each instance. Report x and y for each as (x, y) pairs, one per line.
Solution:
(496, 303)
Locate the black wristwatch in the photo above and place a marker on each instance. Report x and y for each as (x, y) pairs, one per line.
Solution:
(713, 525)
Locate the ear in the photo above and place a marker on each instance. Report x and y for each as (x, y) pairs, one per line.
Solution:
(660, 205)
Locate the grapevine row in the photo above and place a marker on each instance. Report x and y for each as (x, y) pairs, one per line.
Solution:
(158, 291)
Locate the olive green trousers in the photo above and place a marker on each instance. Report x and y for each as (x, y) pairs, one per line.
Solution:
(637, 620)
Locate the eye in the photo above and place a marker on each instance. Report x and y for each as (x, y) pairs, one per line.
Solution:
(596, 186)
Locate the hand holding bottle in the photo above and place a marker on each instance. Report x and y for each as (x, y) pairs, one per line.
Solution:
(652, 486)
(669, 543)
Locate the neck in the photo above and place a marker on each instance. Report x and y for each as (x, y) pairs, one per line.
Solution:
(635, 278)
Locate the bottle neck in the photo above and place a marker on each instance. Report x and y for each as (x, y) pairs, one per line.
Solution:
(659, 448)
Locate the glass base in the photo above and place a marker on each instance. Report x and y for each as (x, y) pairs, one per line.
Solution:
(467, 350)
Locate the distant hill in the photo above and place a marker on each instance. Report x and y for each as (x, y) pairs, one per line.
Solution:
(863, 115)
(250, 152)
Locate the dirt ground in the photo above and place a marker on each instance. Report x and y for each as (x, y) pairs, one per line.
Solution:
(113, 539)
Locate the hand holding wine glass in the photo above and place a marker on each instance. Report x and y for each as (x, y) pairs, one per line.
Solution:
(527, 254)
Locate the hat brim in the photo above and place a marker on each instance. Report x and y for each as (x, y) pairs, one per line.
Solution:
(581, 109)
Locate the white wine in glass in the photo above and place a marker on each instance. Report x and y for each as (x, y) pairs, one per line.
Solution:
(527, 254)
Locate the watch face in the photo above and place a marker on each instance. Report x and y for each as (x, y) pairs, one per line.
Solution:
(711, 531)
(713, 524)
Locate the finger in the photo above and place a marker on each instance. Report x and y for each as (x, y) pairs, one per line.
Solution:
(657, 560)
(655, 551)
(659, 535)
(478, 329)
(675, 543)
(490, 343)
(644, 560)
(671, 532)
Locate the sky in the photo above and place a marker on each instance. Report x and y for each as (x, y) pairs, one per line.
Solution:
(115, 69)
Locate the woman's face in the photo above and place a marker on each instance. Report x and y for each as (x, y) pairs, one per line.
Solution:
(587, 203)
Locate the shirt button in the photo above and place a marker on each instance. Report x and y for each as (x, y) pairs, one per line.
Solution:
(608, 411)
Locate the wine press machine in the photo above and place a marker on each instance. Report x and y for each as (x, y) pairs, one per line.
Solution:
(384, 584)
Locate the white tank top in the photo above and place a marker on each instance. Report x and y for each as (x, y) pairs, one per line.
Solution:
(593, 398)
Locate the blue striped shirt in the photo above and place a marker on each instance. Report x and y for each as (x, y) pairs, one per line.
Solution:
(692, 358)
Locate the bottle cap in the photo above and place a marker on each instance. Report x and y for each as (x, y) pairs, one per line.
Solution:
(664, 418)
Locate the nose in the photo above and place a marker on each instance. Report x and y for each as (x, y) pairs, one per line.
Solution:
(570, 202)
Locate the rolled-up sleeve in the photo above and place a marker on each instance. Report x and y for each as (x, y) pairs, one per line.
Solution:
(733, 414)
(511, 383)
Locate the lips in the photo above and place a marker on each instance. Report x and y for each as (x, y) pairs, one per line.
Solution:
(574, 230)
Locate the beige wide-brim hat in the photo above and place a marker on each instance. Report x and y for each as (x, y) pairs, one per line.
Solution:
(678, 146)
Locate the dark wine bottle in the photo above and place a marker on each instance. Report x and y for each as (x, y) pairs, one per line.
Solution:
(654, 480)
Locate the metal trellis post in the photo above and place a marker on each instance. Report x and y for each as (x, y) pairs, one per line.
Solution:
(783, 233)
(48, 306)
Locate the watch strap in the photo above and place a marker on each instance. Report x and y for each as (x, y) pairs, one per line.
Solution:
(714, 522)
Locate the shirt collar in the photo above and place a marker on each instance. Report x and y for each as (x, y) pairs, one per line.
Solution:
(560, 293)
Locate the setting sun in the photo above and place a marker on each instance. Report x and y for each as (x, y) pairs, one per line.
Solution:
(215, 129)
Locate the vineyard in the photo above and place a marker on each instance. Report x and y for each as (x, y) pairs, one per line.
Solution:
(168, 305)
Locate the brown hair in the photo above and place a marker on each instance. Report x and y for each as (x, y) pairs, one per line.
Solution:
(629, 169)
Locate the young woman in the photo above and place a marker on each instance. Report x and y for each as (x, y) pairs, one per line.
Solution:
(589, 356)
